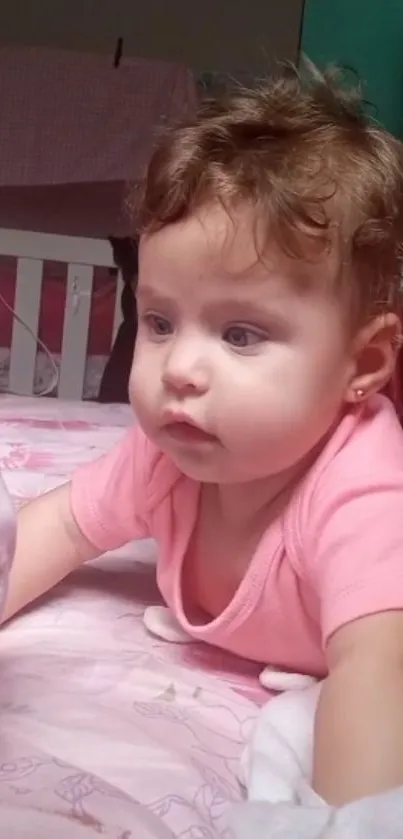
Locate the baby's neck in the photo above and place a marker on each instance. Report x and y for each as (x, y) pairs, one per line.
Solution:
(244, 505)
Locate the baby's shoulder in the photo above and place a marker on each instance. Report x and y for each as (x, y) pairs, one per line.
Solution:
(357, 479)
(364, 451)
(367, 442)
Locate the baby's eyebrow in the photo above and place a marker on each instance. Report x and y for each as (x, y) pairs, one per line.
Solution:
(148, 294)
(234, 305)
(248, 310)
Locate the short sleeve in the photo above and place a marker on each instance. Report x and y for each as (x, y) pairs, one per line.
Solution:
(354, 552)
(108, 495)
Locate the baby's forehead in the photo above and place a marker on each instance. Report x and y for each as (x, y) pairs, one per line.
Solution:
(234, 246)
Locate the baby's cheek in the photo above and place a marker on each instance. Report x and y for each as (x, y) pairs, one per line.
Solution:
(137, 392)
(138, 374)
(143, 398)
(8, 531)
(274, 416)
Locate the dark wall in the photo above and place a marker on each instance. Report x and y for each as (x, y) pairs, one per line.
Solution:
(212, 34)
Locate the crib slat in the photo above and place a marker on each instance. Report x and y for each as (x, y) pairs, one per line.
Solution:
(75, 331)
(23, 345)
(59, 248)
(117, 317)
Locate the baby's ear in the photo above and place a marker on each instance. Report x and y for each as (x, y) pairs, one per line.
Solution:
(375, 353)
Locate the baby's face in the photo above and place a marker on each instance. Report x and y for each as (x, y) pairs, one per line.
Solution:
(231, 345)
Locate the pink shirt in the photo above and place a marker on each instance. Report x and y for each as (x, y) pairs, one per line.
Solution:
(334, 555)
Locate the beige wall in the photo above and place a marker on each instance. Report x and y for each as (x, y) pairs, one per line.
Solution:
(212, 34)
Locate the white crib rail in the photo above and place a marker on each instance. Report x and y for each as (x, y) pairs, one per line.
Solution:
(81, 255)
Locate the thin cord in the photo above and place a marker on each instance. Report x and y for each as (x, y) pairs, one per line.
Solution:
(56, 373)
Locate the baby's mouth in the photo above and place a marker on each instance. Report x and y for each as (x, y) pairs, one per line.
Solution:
(187, 432)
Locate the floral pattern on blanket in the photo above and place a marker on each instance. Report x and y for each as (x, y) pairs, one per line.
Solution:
(102, 725)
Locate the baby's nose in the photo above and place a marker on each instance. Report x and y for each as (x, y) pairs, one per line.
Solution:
(184, 374)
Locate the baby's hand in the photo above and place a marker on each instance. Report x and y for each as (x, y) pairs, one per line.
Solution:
(49, 546)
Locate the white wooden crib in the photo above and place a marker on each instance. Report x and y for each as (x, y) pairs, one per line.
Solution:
(81, 255)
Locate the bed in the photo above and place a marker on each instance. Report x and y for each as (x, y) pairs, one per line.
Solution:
(101, 723)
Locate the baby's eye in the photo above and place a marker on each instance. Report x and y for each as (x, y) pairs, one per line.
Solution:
(242, 336)
(157, 324)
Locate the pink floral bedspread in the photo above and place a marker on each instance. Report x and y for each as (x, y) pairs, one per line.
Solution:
(104, 728)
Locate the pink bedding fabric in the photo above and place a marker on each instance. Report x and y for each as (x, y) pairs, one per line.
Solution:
(103, 725)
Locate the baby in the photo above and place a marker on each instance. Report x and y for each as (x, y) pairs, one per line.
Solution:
(265, 462)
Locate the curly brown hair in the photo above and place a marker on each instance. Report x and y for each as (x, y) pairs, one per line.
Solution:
(301, 149)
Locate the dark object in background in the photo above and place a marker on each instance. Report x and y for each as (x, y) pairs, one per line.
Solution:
(115, 379)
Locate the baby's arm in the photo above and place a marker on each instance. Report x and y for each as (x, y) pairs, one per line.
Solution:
(100, 510)
(49, 546)
(359, 722)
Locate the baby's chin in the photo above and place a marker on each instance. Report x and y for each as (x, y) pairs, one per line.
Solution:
(194, 464)
(202, 469)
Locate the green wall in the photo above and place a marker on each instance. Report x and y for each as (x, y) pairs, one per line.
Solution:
(368, 36)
